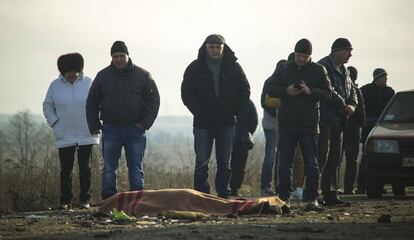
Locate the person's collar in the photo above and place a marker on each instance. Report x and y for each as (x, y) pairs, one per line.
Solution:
(62, 78)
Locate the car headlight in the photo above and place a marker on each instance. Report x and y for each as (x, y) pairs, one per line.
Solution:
(386, 146)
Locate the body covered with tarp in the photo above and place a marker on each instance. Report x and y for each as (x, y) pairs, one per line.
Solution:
(153, 202)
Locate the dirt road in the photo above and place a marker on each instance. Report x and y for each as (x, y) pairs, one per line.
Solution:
(388, 218)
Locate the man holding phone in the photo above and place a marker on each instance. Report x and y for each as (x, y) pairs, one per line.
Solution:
(300, 85)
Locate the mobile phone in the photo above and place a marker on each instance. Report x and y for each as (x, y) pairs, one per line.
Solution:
(297, 85)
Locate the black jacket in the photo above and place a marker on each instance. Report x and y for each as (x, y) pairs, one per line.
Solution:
(376, 98)
(344, 93)
(123, 98)
(300, 114)
(357, 119)
(265, 90)
(247, 117)
(197, 91)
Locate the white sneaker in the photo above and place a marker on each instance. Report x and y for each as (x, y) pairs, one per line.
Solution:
(297, 194)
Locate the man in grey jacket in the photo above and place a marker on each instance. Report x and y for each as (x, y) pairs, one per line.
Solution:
(125, 97)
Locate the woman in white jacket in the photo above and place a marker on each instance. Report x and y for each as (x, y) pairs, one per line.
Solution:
(64, 110)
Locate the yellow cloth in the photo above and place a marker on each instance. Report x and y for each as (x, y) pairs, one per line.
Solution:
(272, 102)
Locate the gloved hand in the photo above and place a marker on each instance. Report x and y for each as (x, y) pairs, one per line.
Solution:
(247, 141)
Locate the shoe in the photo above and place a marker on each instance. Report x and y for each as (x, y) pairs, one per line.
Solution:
(224, 196)
(235, 194)
(267, 192)
(360, 191)
(349, 192)
(285, 209)
(313, 206)
(85, 205)
(67, 206)
(297, 194)
(335, 201)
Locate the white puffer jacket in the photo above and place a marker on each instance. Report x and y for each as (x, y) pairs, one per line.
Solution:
(64, 110)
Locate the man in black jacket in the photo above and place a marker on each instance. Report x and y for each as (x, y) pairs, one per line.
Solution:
(125, 97)
(243, 142)
(376, 96)
(334, 113)
(352, 136)
(214, 89)
(300, 85)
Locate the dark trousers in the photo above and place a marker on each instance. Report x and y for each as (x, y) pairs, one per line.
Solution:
(352, 138)
(329, 153)
(287, 145)
(238, 167)
(223, 138)
(67, 158)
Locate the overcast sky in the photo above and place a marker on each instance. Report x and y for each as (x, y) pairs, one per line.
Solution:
(164, 36)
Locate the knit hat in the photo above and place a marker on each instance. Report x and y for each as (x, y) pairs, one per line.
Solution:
(215, 39)
(379, 72)
(119, 46)
(303, 46)
(341, 44)
(291, 57)
(70, 62)
(353, 73)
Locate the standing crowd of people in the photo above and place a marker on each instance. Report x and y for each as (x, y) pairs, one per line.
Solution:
(313, 115)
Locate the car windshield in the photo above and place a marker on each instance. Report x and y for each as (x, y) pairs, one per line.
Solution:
(401, 109)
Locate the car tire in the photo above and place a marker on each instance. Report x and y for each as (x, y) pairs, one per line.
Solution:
(398, 189)
(375, 187)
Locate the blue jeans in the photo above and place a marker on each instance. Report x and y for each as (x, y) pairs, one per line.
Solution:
(133, 140)
(203, 144)
(287, 145)
(269, 158)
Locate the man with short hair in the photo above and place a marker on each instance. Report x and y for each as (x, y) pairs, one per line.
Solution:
(300, 85)
(125, 97)
(214, 90)
(334, 114)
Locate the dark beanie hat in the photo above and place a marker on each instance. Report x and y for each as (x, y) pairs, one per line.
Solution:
(379, 72)
(303, 46)
(70, 62)
(291, 57)
(119, 46)
(353, 73)
(341, 44)
(215, 39)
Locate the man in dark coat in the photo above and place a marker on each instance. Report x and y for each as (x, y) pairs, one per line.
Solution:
(334, 115)
(214, 90)
(352, 136)
(246, 125)
(376, 96)
(300, 85)
(125, 97)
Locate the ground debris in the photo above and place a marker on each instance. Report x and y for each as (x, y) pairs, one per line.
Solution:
(384, 218)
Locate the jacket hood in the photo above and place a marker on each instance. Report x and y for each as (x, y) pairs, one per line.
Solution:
(228, 54)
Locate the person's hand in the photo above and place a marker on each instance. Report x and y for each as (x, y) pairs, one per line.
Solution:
(292, 91)
(349, 110)
(96, 132)
(305, 88)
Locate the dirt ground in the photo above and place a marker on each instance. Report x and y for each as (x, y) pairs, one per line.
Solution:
(388, 218)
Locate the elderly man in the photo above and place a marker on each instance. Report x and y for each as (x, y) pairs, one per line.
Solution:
(125, 97)
(214, 89)
(334, 115)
